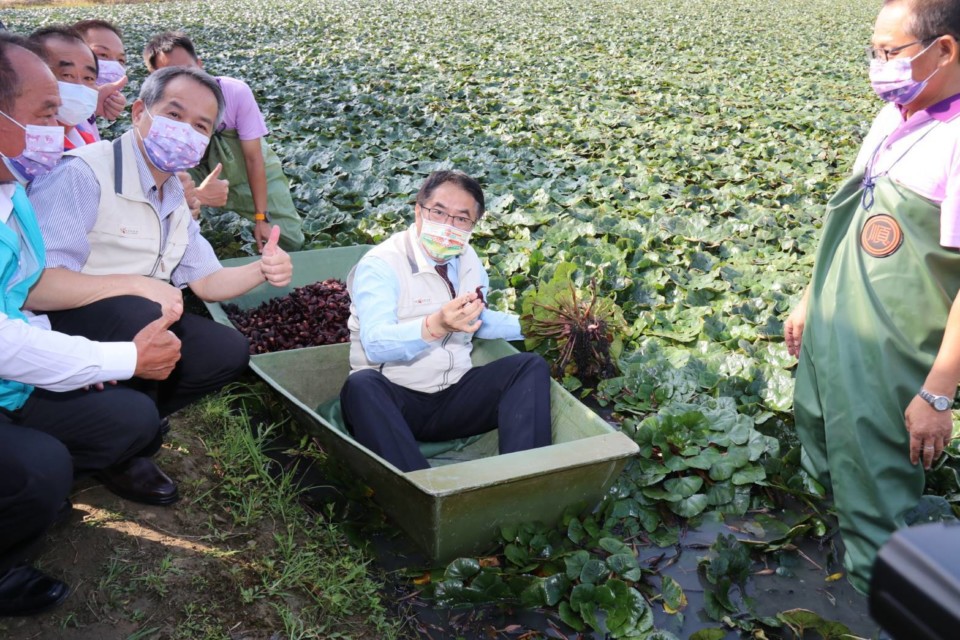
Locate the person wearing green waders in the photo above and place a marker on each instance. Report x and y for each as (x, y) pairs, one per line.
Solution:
(879, 322)
(253, 182)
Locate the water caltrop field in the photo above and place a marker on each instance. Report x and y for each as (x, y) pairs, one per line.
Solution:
(676, 153)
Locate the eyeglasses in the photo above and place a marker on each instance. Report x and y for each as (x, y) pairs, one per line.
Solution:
(439, 215)
(884, 54)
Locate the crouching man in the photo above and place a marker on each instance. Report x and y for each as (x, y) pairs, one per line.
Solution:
(121, 243)
(414, 313)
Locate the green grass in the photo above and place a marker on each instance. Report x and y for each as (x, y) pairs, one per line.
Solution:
(299, 562)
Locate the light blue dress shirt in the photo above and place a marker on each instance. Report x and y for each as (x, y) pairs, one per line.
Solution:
(376, 290)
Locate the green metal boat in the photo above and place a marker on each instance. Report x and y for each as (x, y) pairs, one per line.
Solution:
(457, 506)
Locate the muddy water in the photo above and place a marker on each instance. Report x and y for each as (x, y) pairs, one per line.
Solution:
(793, 579)
(800, 583)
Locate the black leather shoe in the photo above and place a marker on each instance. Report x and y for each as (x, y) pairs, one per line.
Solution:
(25, 591)
(164, 427)
(140, 480)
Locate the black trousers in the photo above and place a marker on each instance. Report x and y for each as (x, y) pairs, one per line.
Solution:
(52, 439)
(512, 394)
(58, 436)
(211, 354)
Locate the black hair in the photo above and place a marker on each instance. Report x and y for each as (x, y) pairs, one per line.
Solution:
(932, 18)
(84, 26)
(459, 178)
(63, 32)
(165, 43)
(10, 82)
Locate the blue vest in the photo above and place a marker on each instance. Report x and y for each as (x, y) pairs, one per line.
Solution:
(14, 394)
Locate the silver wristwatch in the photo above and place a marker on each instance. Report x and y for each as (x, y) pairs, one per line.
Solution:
(940, 403)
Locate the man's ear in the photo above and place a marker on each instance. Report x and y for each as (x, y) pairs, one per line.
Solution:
(137, 110)
(200, 63)
(954, 51)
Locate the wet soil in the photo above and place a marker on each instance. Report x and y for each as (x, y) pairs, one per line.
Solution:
(143, 572)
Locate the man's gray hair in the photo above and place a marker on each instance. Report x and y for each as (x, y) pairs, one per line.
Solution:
(156, 84)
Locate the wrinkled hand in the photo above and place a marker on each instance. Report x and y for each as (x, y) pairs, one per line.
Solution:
(110, 102)
(793, 327)
(275, 264)
(261, 234)
(213, 191)
(190, 193)
(158, 349)
(461, 314)
(163, 293)
(99, 386)
(930, 430)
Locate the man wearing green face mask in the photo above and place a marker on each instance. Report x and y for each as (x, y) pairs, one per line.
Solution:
(880, 321)
(415, 309)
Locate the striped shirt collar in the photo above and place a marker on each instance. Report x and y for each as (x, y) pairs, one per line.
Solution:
(173, 194)
(6, 200)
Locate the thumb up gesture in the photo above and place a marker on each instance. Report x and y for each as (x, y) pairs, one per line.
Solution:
(275, 263)
(110, 102)
(158, 349)
(213, 191)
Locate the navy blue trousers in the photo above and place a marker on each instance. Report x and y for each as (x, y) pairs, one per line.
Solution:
(512, 394)
(58, 436)
(211, 354)
(55, 437)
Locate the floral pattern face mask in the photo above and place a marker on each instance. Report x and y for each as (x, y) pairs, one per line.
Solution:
(892, 80)
(173, 146)
(110, 71)
(43, 150)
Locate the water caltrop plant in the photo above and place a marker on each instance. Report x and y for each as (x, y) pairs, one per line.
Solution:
(580, 332)
(656, 173)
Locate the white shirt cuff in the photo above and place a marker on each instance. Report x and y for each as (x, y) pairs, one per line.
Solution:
(119, 360)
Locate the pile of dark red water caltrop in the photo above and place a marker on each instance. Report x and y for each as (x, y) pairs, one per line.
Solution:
(309, 316)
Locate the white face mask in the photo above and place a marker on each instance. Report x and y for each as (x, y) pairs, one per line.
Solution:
(110, 71)
(78, 102)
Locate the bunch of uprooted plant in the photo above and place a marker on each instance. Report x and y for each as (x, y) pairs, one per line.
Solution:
(580, 332)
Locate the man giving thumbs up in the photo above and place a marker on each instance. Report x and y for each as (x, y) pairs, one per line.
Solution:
(121, 244)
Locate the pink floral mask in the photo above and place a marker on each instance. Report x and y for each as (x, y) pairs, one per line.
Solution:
(43, 150)
(110, 71)
(173, 146)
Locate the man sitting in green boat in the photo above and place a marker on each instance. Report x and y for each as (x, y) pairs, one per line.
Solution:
(416, 305)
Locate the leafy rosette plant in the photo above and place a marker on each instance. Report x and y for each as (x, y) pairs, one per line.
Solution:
(693, 458)
(580, 332)
(593, 579)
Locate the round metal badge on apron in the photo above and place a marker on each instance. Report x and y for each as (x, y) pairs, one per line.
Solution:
(880, 295)
(881, 236)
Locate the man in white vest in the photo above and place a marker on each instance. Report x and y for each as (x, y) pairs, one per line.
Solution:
(121, 242)
(415, 310)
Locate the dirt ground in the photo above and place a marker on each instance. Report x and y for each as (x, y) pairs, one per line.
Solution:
(140, 571)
